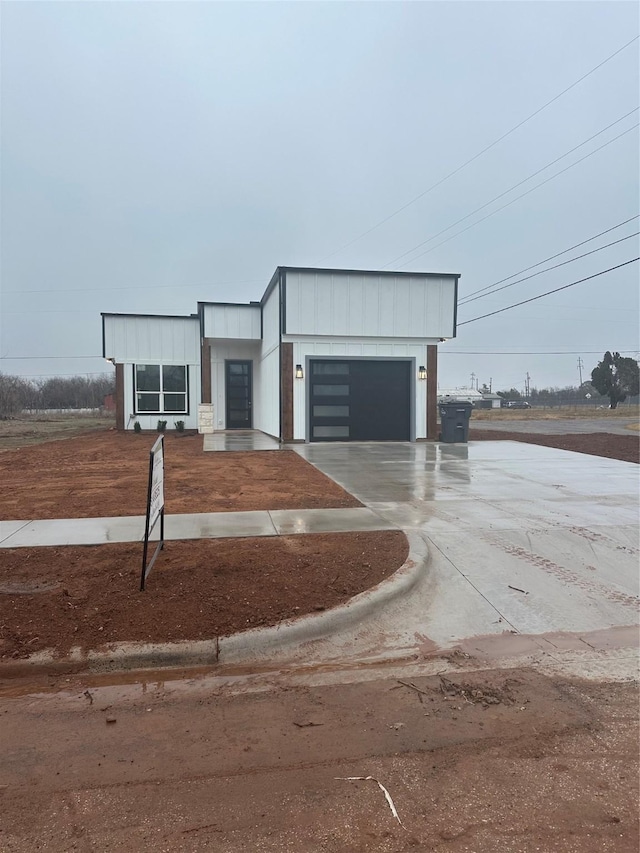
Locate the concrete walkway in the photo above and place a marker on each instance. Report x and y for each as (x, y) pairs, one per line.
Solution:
(218, 525)
(240, 440)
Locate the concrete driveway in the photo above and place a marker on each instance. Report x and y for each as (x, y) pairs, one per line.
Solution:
(524, 541)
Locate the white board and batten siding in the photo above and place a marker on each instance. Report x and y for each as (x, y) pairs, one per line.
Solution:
(152, 340)
(232, 322)
(131, 340)
(267, 389)
(355, 304)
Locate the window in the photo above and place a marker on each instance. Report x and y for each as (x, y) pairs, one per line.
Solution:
(331, 390)
(330, 368)
(331, 411)
(161, 389)
(331, 432)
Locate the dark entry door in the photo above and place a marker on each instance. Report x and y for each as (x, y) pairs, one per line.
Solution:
(360, 400)
(238, 383)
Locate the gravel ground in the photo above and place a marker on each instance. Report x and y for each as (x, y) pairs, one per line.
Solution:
(581, 426)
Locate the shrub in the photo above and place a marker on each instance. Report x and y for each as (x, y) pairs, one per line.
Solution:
(162, 425)
(137, 427)
(179, 426)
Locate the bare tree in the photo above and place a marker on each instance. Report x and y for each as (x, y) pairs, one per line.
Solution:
(13, 395)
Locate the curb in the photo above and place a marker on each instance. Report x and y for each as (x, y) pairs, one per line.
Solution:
(245, 646)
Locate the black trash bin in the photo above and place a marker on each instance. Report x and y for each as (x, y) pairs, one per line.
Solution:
(454, 422)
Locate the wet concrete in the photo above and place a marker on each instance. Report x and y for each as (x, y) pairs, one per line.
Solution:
(239, 440)
(205, 525)
(523, 539)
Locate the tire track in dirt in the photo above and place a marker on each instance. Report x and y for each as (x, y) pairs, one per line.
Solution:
(564, 574)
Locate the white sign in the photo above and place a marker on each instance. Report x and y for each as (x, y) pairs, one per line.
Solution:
(156, 498)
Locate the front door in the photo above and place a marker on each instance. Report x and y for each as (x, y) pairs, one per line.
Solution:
(238, 383)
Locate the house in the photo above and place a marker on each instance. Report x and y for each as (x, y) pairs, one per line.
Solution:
(490, 400)
(325, 355)
(460, 395)
(478, 399)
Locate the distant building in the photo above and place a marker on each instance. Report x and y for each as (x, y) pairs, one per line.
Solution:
(491, 400)
(479, 399)
(460, 395)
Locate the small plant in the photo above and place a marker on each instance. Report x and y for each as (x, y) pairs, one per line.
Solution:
(179, 426)
(162, 425)
(137, 427)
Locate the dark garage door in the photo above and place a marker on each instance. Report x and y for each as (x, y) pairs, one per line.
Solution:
(360, 400)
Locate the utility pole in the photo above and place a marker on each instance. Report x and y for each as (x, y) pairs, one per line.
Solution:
(528, 385)
(473, 377)
(580, 365)
(490, 384)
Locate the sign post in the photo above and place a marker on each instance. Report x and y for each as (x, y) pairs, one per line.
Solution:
(155, 506)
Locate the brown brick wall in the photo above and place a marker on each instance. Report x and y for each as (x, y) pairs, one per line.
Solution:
(286, 392)
(205, 365)
(432, 392)
(119, 396)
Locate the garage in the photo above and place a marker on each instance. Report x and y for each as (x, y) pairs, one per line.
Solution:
(360, 400)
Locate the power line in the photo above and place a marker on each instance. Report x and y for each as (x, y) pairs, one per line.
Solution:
(549, 292)
(548, 269)
(42, 357)
(531, 352)
(522, 195)
(480, 153)
(109, 290)
(552, 257)
(49, 375)
(518, 197)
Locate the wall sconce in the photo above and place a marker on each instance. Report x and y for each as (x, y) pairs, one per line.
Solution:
(299, 372)
(422, 372)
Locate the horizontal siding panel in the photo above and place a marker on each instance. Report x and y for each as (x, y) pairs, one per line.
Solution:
(162, 340)
(369, 305)
(232, 322)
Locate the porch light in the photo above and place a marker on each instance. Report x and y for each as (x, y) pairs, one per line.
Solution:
(299, 372)
(422, 372)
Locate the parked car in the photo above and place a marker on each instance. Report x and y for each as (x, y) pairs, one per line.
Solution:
(518, 404)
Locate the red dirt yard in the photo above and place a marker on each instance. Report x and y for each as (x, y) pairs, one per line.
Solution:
(105, 474)
(56, 598)
(197, 590)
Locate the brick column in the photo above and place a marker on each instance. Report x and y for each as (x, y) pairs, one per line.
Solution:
(432, 392)
(286, 391)
(119, 396)
(205, 371)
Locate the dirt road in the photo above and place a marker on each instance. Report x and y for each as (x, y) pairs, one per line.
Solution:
(510, 761)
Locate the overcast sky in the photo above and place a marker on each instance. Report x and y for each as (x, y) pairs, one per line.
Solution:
(157, 154)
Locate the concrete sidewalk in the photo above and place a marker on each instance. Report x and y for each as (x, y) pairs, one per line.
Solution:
(218, 525)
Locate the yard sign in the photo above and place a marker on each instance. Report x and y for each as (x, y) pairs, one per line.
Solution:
(155, 505)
